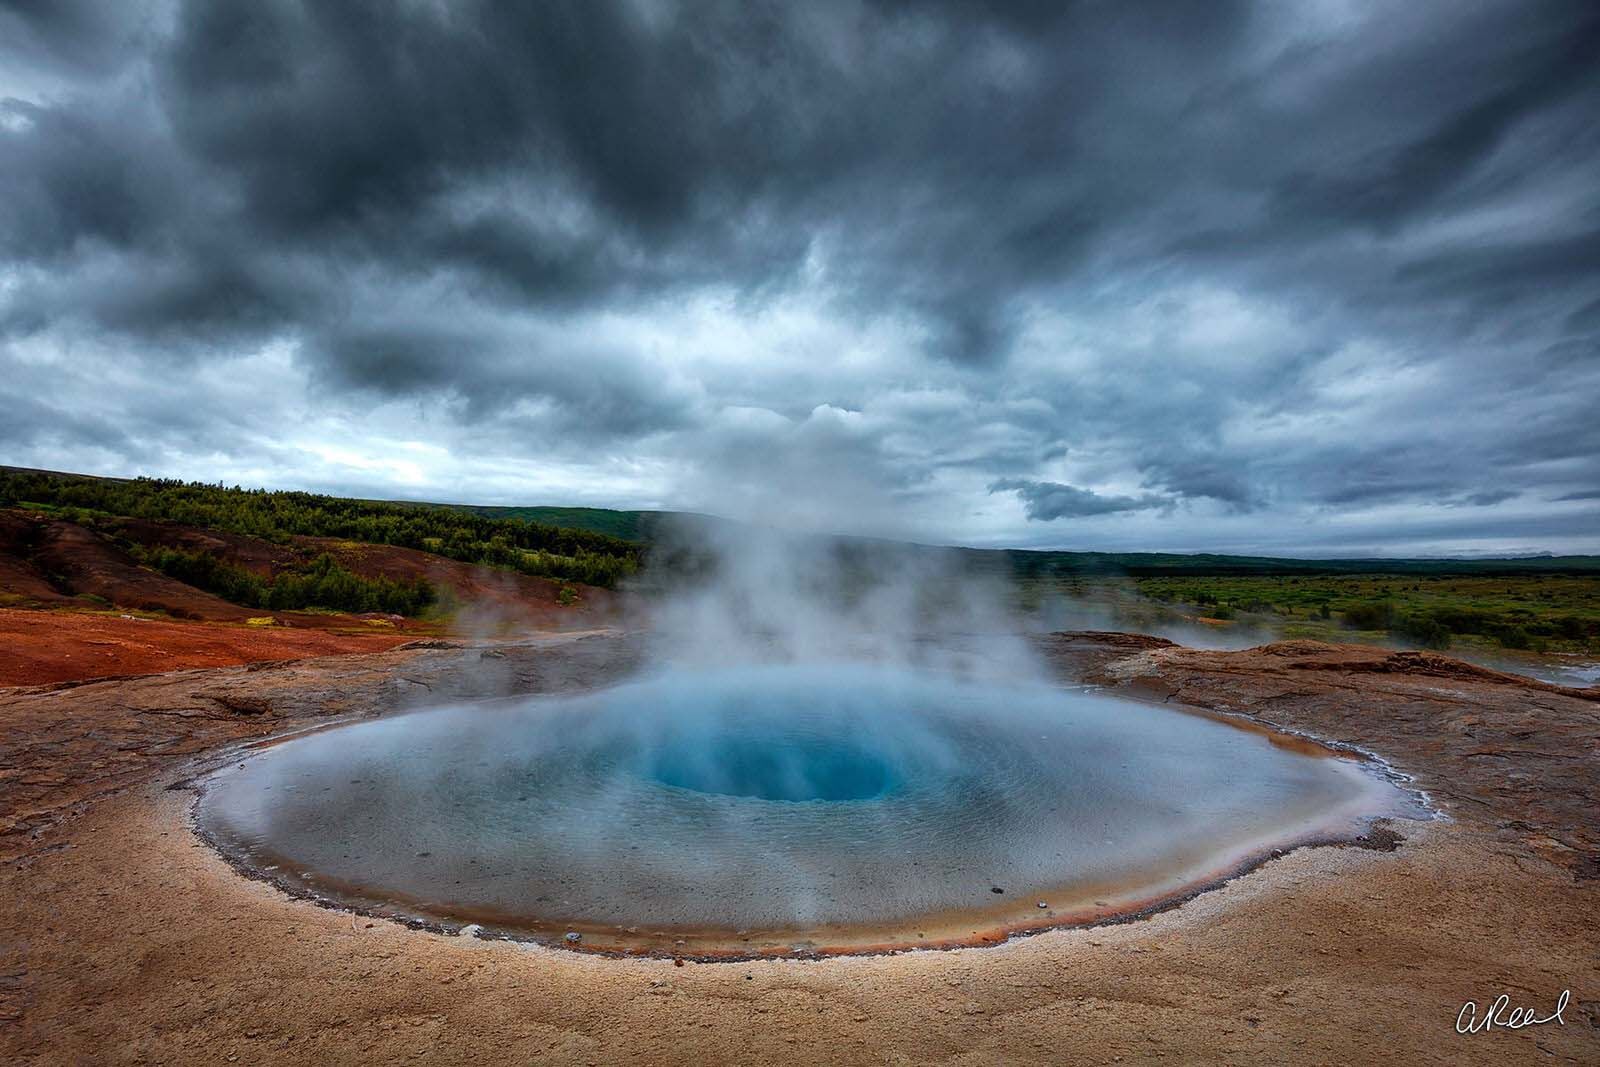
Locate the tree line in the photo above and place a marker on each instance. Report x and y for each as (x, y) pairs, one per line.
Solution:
(321, 584)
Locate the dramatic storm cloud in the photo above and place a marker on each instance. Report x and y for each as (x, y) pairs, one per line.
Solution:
(1319, 277)
(1051, 500)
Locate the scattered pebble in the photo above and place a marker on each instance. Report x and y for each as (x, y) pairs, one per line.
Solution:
(996, 889)
(1042, 904)
(573, 937)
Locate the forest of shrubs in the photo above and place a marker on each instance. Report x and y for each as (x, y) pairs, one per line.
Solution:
(530, 547)
(1434, 628)
(321, 584)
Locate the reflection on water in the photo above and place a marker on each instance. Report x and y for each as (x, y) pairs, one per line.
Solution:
(769, 798)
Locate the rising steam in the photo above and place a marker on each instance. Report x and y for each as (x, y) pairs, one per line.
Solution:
(725, 594)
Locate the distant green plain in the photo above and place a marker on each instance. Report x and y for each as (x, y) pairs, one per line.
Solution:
(1540, 613)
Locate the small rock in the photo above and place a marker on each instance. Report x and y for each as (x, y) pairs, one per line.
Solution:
(1042, 904)
(243, 705)
(573, 937)
(996, 889)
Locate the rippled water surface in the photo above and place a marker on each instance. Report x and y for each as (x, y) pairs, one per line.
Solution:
(770, 799)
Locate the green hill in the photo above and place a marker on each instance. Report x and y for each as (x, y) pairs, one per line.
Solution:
(536, 548)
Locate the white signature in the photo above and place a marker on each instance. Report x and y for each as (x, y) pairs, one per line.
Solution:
(1499, 1012)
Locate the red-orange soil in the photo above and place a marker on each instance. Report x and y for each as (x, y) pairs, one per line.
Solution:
(45, 647)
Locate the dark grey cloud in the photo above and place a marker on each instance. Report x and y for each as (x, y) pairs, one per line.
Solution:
(1399, 180)
(1490, 498)
(1048, 501)
(74, 37)
(1242, 262)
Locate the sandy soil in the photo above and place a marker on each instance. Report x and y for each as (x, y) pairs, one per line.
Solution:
(124, 939)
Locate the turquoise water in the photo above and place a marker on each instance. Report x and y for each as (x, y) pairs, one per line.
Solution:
(775, 798)
(800, 758)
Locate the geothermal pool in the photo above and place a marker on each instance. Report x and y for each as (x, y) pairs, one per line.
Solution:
(778, 809)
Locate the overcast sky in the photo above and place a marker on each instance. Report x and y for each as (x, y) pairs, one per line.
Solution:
(1309, 278)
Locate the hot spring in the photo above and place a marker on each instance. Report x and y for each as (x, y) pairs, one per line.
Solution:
(778, 809)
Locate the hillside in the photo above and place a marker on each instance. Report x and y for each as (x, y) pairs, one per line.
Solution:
(137, 576)
(532, 548)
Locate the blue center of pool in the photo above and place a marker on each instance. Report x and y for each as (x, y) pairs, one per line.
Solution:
(767, 761)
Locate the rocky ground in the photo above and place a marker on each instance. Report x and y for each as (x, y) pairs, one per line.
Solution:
(123, 939)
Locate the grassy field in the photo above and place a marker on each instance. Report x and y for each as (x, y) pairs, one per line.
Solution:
(1538, 613)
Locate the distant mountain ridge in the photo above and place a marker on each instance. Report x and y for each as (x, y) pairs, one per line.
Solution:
(643, 527)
